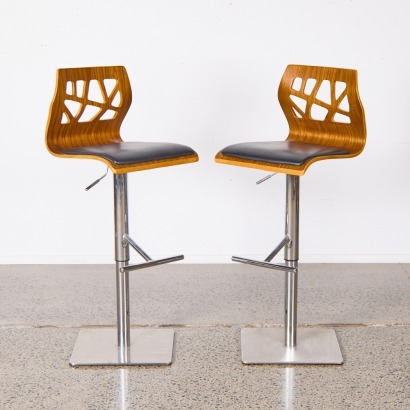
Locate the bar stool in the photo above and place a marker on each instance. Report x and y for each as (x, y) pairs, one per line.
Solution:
(85, 117)
(326, 121)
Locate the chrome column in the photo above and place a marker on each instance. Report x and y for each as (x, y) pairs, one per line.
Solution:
(121, 258)
(291, 258)
(123, 346)
(265, 345)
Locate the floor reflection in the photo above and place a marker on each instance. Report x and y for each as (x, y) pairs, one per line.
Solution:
(288, 393)
(122, 389)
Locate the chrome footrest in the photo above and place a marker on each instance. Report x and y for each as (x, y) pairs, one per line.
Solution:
(151, 263)
(264, 264)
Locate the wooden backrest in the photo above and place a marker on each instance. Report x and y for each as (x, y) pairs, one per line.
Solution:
(88, 108)
(322, 106)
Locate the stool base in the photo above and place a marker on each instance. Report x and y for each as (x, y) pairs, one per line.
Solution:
(98, 347)
(266, 346)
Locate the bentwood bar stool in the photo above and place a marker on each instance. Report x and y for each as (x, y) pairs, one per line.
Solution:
(326, 121)
(85, 117)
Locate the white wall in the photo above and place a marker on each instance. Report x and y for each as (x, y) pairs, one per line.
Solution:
(204, 73)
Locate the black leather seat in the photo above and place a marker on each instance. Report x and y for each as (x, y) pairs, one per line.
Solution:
(280, 152)
(126, 153)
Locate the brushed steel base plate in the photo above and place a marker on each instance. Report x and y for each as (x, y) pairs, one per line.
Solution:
(98, 347)
(267, 346)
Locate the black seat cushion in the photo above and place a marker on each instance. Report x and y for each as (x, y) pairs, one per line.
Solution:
(128, 153)
(281, 152)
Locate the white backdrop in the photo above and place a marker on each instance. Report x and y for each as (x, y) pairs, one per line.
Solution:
(204, 73)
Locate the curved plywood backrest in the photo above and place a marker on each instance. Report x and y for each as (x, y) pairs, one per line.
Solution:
(88, 108)
(322, 106)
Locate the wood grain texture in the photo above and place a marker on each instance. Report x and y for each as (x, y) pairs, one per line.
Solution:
(107, 92)
(342, 123)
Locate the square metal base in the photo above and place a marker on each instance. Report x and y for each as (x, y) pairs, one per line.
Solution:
(98, 347)
(267, 346)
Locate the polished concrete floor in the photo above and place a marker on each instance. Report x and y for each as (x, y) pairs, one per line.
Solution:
(43, 307)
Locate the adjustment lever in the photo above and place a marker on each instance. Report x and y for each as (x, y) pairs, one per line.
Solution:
(96, 181)
(265, 178)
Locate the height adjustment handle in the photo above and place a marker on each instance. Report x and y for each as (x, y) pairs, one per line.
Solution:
(265, 178)
(96, 181)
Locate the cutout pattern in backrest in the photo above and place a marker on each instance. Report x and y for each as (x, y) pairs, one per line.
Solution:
(322, 106)
(320, 100)
(88, 108)
(86, 101)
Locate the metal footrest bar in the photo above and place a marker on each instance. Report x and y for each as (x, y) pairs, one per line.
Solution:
(151, 263)
(136, 247)
(285, 241)
(264, 264)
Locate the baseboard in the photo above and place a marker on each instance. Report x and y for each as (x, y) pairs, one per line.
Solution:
(193, 259)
